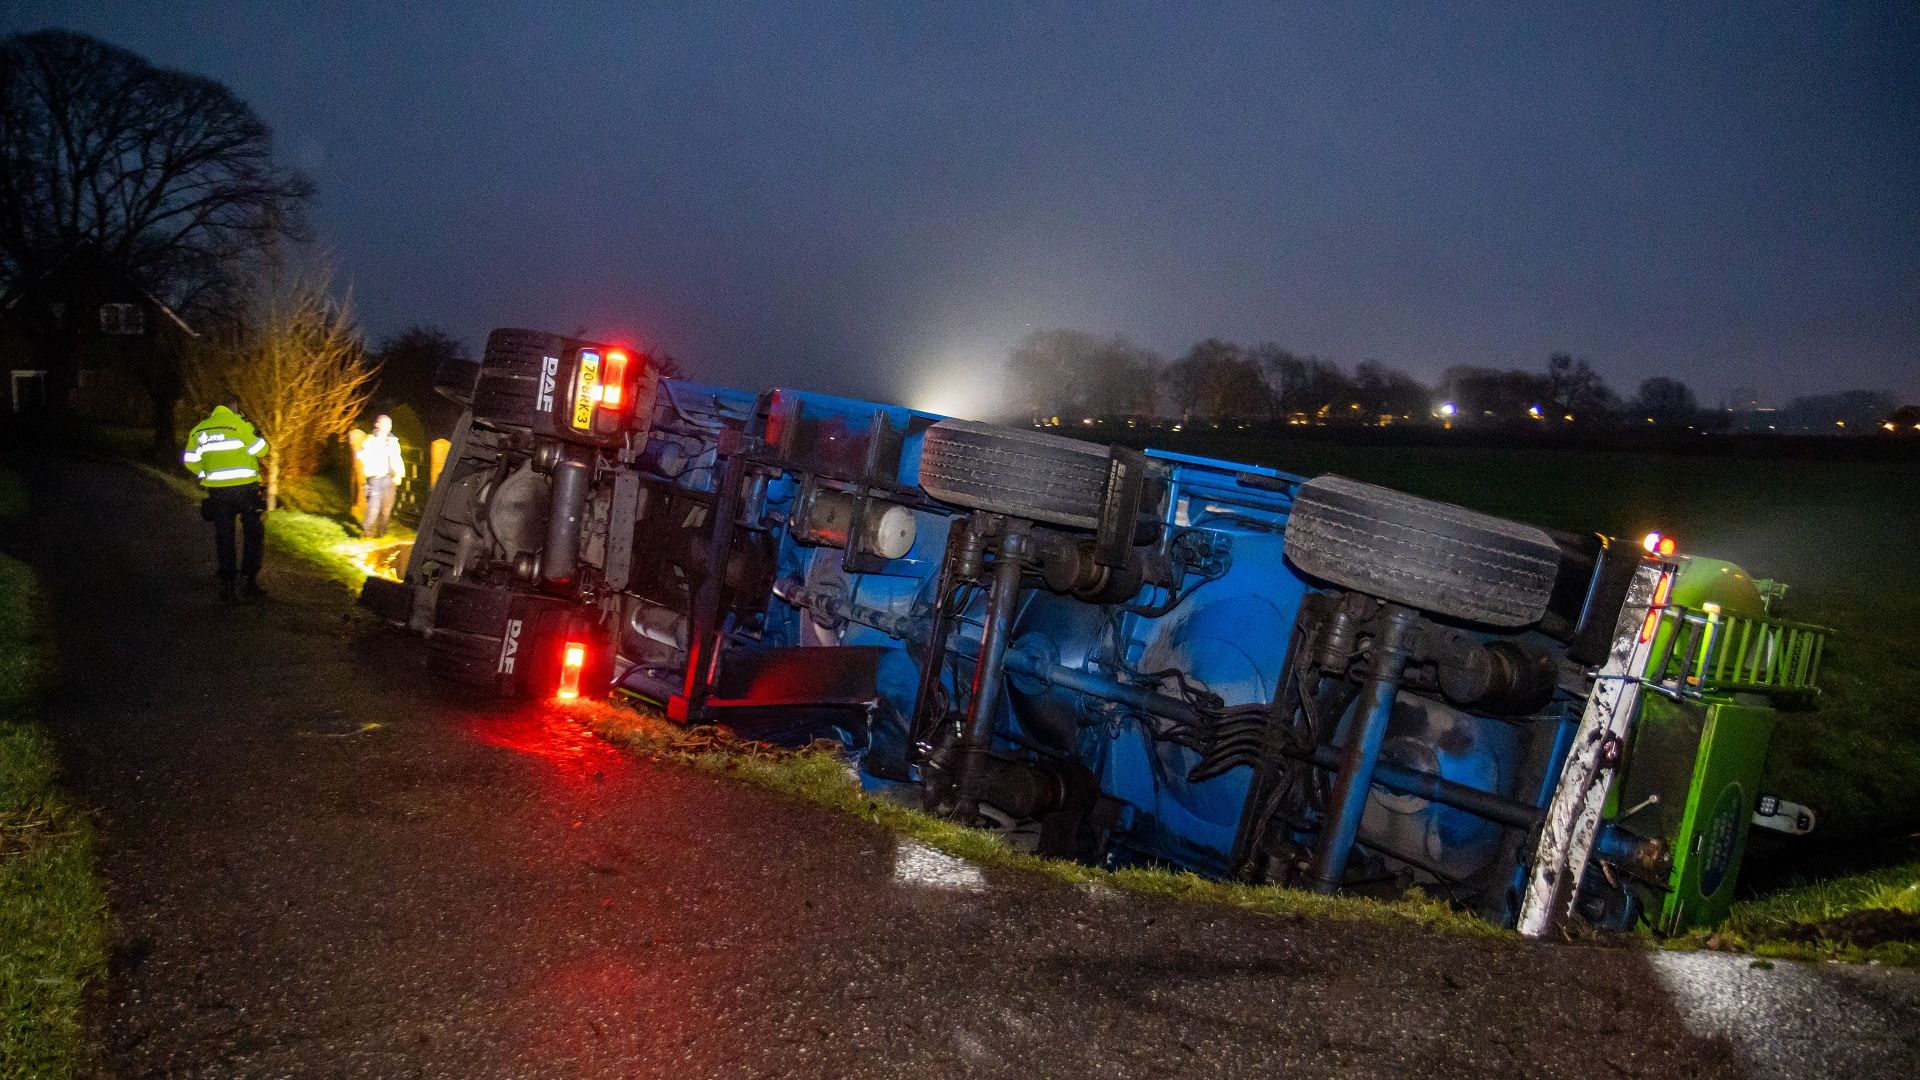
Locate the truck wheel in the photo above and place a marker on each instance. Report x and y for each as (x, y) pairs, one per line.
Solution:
(494, 639)
(1434, 556)
(454, 379)
(508, 389)
(1024, 474)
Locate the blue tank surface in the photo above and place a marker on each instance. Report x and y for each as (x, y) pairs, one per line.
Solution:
(838, 642)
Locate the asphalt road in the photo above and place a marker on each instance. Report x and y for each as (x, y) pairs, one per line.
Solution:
(465, 892)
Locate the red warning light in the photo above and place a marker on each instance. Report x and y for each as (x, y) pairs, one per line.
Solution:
(1659, 544)
(1661, 592)
(613, 379)
(572, 661)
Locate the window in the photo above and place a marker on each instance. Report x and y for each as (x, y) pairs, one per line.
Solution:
(122, 319)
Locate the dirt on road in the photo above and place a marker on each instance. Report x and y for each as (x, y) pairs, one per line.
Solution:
(322, 863)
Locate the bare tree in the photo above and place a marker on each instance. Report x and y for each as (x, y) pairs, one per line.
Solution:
(1217, 380)
(1380, 390)
(1663, 398)
(408, 365)
(1058, 372)
(299, 371)
(1284, 373)
(1578, 389)
(162, 175)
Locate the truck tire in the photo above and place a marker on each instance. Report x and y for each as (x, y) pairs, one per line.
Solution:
(508, 388)
(1023, 474)
(472, 626)
(1429, 555)
(454, 379)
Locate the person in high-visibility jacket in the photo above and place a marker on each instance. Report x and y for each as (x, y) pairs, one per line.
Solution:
(224, 451)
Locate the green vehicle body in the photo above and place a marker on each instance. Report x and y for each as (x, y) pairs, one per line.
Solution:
(1720, 671)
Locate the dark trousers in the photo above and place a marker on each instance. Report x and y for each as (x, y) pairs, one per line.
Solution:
(379, 492)
(242, 504)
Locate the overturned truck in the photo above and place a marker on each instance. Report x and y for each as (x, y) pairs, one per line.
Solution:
(1117, 656)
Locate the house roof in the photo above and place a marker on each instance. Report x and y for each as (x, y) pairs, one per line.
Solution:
(13, 298)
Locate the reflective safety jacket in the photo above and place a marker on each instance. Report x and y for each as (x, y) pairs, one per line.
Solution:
(224, 450)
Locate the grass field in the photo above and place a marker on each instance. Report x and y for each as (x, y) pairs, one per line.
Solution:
(52, 912)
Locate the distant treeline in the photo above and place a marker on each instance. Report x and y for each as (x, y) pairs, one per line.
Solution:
(1060, 376)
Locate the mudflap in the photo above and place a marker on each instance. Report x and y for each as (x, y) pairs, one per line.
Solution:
(391, 600)
(793, 695)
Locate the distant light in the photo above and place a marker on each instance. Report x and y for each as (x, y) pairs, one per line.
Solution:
(958, 379)
(1889, 425)
(1087, 421)
(1533, 411)
(1839, 423)
(1176, 427)
(1448, 409)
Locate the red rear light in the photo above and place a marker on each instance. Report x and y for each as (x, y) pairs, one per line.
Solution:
(613, 379)
(571, 662)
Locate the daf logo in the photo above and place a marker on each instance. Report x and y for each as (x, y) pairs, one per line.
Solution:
(509, 645)
(549, 374)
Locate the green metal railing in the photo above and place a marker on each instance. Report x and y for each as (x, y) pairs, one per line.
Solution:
(1709, 652)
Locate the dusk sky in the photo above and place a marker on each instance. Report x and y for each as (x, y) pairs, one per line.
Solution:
(881, 199)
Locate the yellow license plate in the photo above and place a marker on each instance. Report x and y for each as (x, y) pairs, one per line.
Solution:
(586, 386)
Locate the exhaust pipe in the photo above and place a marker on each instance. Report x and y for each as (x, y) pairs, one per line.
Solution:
(561, 555)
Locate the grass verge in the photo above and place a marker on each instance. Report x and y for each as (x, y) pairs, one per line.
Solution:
(320, 539)
(1868, 917)
(820, 776)
(53, 914)
(1873, 917)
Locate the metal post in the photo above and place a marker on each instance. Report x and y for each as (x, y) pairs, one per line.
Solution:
(1362, 752)
(703, 643)
(1002, 594)
(933, 659)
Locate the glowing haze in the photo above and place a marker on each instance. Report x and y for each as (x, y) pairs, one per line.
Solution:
(881, 199)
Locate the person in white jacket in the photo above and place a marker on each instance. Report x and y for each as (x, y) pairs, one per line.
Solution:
(384, 468)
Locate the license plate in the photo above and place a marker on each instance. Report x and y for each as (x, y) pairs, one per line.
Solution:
(586, 387)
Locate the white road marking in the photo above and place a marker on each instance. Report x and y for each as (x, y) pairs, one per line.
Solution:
(1795, 1019)
(915, 863)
